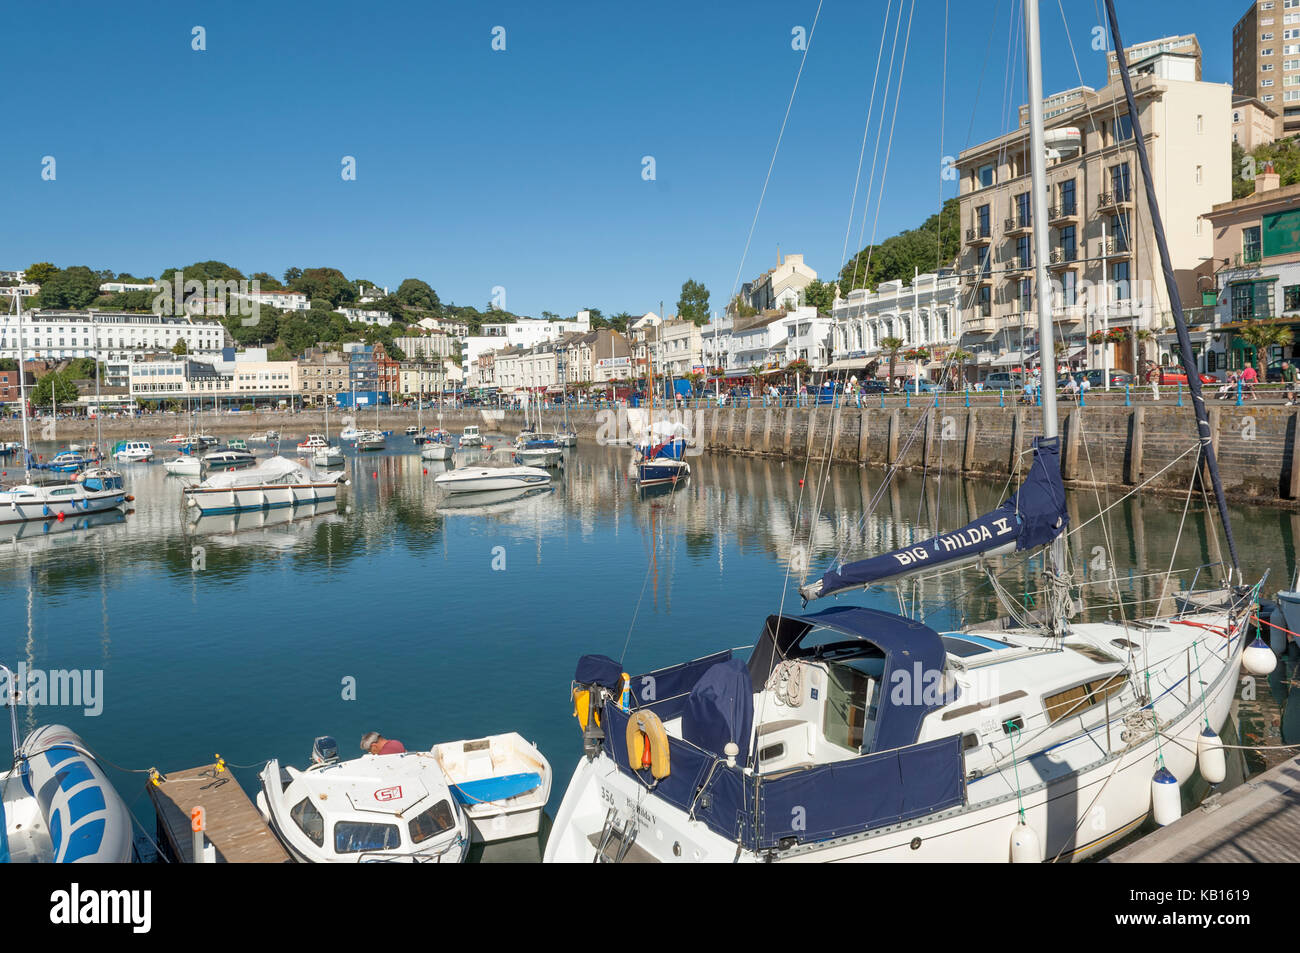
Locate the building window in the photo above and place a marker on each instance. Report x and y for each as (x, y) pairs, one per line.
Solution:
(1198, 175)
(1120, 183)
(984, 176)
(1251, 300)
(1023, 251)
(1123, 128)
(1250, 244)
(1119, 274)
(1291, 297)
(984, 301)
(1119, 231)
(1069, 289)
(982, 221)
(1068, 206)
(1069, 249)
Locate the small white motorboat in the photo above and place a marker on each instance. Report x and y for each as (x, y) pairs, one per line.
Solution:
(133, 451)
(567, 437)
(379, 808)
(271, 483)
(269, 436)
(470, 437)
(501, 783)
(329, 456)
(186, 464)
(437, 446)
(314, 442)
(480, 478)
(538, 450)
(56, 804)
(412, 431)
(91, 491)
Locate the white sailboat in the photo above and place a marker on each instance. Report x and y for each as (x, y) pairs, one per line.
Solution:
(857, 734)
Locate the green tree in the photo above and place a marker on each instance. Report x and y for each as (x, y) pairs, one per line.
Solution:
(693, 305)
(291, 274)
(267, 282)
(180, 347)
(1263, 335)
(414, 293)
(936, 243)
(40, 272)
(820, 295)
(892, 346)
(74, 287)
(54, 386)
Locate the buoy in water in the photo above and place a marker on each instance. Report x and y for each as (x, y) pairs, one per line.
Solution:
(59, 517)
(1166, 805)
(1025, 848)
(1258, 659)
(1209, 756)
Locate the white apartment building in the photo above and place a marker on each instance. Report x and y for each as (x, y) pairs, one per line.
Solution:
(446, 327)
(119, 287)
(676, 348)
(1104, 266)
(109, 336)
(361, 315)
(283, 300)
(248, 377)
(755, 342)
(715, 341)
(521, 334)
(925, 313)
(427, 345)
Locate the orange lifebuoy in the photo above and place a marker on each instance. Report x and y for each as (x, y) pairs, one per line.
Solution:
(647, 743)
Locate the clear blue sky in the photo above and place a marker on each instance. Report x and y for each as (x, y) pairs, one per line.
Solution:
(519, 169)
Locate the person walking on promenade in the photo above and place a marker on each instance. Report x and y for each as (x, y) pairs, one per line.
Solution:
(1290, 377)
(1248, 378)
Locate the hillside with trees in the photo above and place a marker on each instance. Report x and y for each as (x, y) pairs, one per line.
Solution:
(935, 244)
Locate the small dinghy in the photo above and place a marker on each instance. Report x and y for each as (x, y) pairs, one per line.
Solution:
(379, 808)
(501, 783)
(57, 806)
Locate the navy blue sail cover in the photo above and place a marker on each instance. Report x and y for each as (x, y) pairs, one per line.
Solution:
(1032, 516)
(720, 709)
(598, 670)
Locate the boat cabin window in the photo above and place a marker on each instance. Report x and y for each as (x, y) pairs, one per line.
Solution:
(309, 821)
(1076, 700)
(850, 702)
(436, 820)
(352, 837)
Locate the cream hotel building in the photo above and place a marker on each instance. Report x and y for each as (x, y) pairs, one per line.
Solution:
(1104, 265)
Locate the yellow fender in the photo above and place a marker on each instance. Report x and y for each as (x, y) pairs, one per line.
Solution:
(582, 707)
(645, 727)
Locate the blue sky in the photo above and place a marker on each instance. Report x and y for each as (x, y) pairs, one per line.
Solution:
(521, 168)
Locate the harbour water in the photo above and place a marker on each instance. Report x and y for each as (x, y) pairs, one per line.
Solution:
(405, 613)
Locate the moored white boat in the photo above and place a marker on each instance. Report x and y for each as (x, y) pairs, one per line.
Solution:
(501, 783)
(133, 451)
(271, 483)
(479, 478)
(370, 440)
(437, 447)
(228, 459)
(186, 464)
(379, 808)
(470, 437)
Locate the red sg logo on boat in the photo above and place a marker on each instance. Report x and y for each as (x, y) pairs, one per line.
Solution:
(389, 794)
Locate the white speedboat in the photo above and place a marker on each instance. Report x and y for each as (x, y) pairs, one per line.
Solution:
(271, 483)
(133, 451)
(567, 437)
(470, 437)
(268, 436)
(501, 783)
(56, 804)
(538, 450)
(329, 456)
(187, 464)
(379, 808)
(313, 443)
(480, 478)
(350, 432)
(228, 459)
(412, 431)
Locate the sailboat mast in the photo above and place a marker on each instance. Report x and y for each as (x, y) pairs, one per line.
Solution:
(99, 407)
(1171, 286)
(1038, 216)
(22, 389)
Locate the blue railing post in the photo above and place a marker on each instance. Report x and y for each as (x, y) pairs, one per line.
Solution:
(968, 395)
(1238, 392)
(1180, 394)
(1082, 401)
(1001, 398)
(1128, 401)
(907, 397)
(882, 400)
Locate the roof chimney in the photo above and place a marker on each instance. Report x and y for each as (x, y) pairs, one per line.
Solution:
(1268, 180)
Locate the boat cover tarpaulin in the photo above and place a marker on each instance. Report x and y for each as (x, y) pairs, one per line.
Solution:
(270, 471)
(720, 709)
(1032, 516)
(598, 670)
(486, 790)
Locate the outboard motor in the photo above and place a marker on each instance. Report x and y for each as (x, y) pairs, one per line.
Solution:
(324, 750)
(593, 684)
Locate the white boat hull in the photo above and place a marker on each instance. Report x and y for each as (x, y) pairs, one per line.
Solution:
(500, 755)
(480, 479)
(1074, 814)
(233, 500)
(436, 451)
(19, 506)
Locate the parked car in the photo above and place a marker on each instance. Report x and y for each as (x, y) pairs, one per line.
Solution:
(872, 386)
(921, 387)
(1003, 381)
(1097, 378)
(1176, 375)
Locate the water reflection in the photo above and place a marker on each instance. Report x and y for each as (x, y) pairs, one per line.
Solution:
(438, 604)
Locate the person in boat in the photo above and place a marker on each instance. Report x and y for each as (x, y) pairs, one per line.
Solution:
(372, 742)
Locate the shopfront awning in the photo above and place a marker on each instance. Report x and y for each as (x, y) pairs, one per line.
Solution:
(1013, 358)
(854, 364)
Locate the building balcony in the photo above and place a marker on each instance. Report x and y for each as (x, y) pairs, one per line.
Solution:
(980, 276)
(979, 236)
(1062, 258)
(1063, 214)
(977, 324)
(1019, 263)
(1114, 201)
(1017, 226)
(1114, 248)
